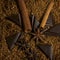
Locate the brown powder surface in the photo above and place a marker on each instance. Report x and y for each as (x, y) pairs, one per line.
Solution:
(37, 7)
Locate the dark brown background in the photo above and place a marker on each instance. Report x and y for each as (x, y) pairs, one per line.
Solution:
(38, 7)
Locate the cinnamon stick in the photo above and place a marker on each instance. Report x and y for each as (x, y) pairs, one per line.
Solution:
(45, 18)
(25, 17)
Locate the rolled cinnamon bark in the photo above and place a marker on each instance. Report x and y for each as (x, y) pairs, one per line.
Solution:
(45, 18)
(25, 17)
